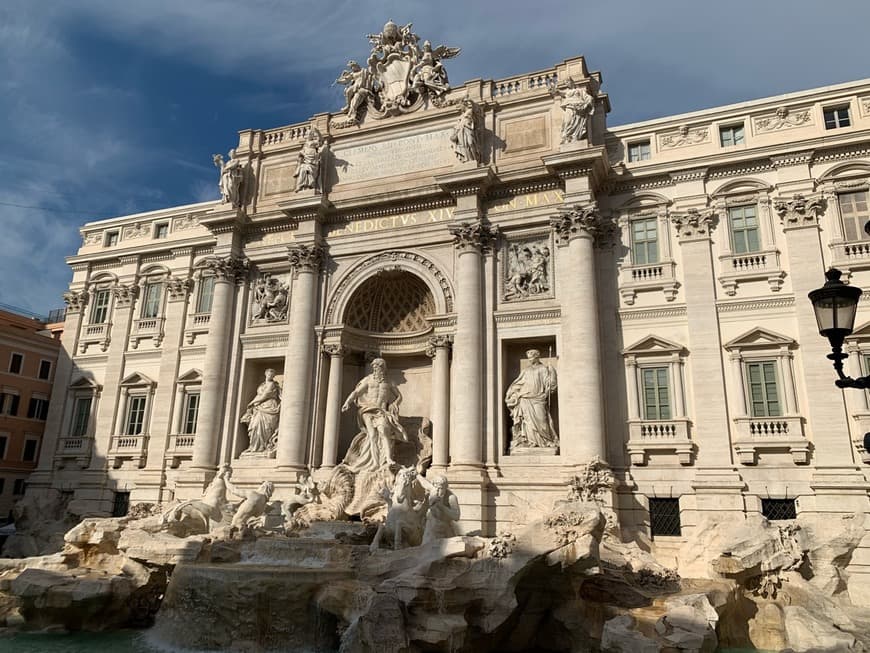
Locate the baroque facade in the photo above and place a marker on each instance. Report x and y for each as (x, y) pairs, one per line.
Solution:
(544, 288)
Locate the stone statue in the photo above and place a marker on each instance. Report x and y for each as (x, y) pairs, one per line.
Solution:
(527, 271)
(232, 179)
(253, 507)
(403, 513)
(378, 401)
(262, 416)
(528, 399)
(305, 492)
(577, 105)
(593, 483)
(199, 516)
(270, 300)
(465, 136)
(308, 162)
(399, 78)
(443, 509)
(357, 83)
(429, 74)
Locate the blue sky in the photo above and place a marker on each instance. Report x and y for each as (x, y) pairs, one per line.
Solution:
(112, 107)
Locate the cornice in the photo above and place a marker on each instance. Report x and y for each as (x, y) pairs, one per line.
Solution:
(652, 313)
(755, 304)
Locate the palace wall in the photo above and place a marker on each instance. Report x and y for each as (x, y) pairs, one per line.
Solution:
(674, 257)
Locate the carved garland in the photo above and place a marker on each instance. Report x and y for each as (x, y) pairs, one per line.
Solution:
(396, 257)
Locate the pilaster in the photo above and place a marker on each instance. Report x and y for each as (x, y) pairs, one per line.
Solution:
(332, 422)
(711, 419)
(214, 381)
(825, 411)
(581, 397)
(305, 261)
(439, 351)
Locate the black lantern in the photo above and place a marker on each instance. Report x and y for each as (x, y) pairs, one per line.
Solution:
(835, 305)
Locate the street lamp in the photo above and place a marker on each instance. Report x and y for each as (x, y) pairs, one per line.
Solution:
(835, 305)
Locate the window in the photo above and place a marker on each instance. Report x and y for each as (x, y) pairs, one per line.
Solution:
(37, 408)
(151, 300)
(9, 403)
(763, 391)
(2, 485)
(854, 214)
(29, 454)
(135, 415)
(777, 509)
(644, 241)
(743, 223)
(4, 440)
(44, 370)
(81, 417)
(206, 292)
(18, 487)
(731, 135)
(100, 309)
(836, 117)
(111, 238)
(16, 361)
(664, 517)
(121, 504)
(161, 230)
(638, 151)
(191, 412)
(656, 393)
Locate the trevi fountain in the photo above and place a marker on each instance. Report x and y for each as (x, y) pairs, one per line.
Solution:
(336, 490)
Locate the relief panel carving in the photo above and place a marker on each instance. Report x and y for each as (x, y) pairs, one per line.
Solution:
(527, 272)
(270, 299)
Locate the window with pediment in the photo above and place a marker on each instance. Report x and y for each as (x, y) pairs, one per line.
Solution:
(766, 415)
(657, 420)
(152, 306)
(748, 252)
(130, 441)
(846, 189)
(76, 441)
(647, 264)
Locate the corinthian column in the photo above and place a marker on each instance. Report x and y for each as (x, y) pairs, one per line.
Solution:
(581, 400)
(305, 260)
(439, 351)
(471, 240)
(214, 381)
(333, 404)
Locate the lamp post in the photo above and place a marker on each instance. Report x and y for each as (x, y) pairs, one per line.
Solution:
(835, 305)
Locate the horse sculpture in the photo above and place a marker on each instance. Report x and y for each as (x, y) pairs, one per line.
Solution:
(403, 520)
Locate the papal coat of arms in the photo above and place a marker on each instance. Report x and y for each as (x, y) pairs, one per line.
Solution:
(400, 76)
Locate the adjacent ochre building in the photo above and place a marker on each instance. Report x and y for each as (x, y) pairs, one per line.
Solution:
(661, 267)
(28, 356)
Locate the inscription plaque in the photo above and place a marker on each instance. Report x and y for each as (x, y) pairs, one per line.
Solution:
(394, 157)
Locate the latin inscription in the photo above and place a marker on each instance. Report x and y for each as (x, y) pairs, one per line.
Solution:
(394, 157)
(369, 225)
(543, 198)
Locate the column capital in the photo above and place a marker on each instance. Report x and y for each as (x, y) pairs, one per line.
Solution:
(438, 342)
(473, 236)
(799, 211)
(227, 268)
(578, 221)
(694, 224)
(305, 258)
(75, 300)
(335, 350)
(177, 288)
(125, 294)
